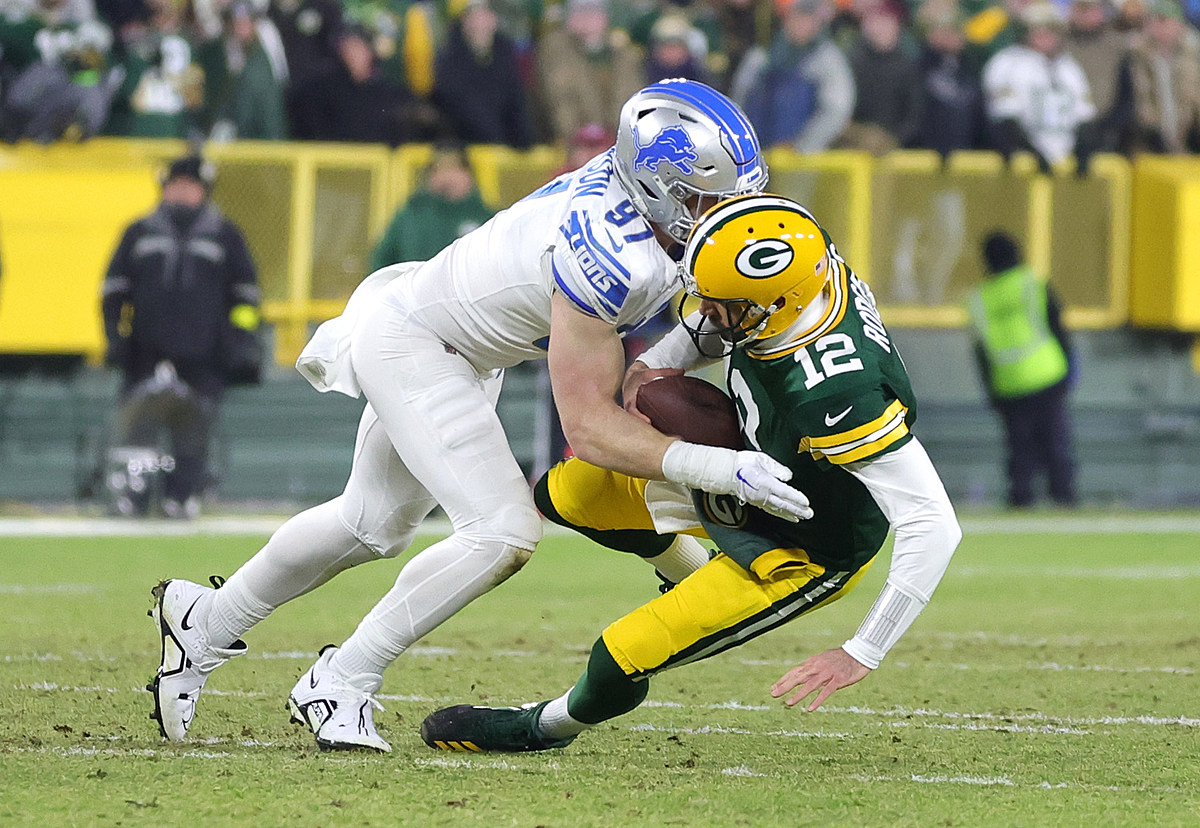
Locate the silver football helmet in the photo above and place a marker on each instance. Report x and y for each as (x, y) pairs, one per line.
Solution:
(679, 138)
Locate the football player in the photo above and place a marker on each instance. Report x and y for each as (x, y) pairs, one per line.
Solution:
(561, 275)
(819, 386)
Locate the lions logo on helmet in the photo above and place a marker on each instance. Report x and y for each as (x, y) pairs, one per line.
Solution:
(679, 143)
(763, 257)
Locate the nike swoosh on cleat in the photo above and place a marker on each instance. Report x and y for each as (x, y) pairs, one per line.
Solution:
(183, 624)
(832, 421)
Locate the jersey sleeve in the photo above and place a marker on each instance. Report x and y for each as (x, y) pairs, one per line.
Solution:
(853, 426)
(614, 272)
(586, 268)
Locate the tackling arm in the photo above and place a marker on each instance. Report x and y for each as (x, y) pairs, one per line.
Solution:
(587, 362)
(586, 365)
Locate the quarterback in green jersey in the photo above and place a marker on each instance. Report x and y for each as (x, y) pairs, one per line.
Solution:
(820, 387)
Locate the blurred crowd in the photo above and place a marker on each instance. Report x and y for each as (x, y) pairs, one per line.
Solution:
(1056, 78)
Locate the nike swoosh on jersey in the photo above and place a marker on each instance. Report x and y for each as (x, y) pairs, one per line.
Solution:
(617, 247)
(832, 421)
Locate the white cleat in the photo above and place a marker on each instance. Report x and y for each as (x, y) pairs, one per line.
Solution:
(340, 715)
(187, 659)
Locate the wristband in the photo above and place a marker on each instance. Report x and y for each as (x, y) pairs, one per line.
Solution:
(893, 613)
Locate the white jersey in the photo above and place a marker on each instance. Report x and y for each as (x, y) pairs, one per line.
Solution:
(487, 295)
(1048, 96)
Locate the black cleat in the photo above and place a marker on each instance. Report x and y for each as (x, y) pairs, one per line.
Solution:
(473, 729)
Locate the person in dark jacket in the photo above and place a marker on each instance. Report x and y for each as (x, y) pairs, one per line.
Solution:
(354, 100)
(181, 279)
(1025, 361)
(887, 110)
(477, 82)
(949, 85)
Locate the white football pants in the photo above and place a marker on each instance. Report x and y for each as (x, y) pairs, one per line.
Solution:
(429, 434)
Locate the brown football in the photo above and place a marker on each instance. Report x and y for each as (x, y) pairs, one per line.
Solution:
(690, 408)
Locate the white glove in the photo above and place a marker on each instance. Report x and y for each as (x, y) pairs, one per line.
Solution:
(753, 477)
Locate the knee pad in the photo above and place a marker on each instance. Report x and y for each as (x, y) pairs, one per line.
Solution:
(517, 525)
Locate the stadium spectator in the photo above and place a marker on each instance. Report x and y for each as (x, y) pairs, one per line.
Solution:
(478, 82)
(118, 14)
(1025, 360)
(1103, 54)
(244, 97)
(162, 95)
(56, 75)
(949, 85)
(1166, 80)
(739, 27)
(309, 31)
(447, 206)
(1036, 94)
(862, 467)
(585, 144)
(180, 305)
(676, 50)
(991, 25)
(887, 107)
(522, 22)
(354, 101)
(800, 90)
(562, 275)
(587, 69)
(404, 36)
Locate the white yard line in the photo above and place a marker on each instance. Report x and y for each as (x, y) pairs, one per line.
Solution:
(488, 763)
(1044, 722)
(1005, 782)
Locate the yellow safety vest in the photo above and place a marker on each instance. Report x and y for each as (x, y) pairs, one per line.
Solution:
(1011, 321)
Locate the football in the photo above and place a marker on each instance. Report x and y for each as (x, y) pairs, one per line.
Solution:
(690, 408)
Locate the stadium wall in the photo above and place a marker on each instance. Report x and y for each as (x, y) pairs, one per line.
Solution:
(1117, 245)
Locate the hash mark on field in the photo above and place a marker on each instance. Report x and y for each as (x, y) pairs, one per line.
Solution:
(47, 589)
(1004, 781)
(480, 764)
(738, 731)
(1147, 572)
(906, 713)
(1001, 668)
(740, 770)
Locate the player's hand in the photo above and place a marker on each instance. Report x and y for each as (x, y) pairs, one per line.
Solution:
(760, 481)
(823, 674)
(636, 376)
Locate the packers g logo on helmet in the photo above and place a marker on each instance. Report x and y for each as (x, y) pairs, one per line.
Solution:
(763, 257)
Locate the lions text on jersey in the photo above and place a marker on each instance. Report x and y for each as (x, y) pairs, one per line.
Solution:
(487, 295)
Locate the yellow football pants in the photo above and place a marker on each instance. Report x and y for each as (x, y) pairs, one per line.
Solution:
(719, 606)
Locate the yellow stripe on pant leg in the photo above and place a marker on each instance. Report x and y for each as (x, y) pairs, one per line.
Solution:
(719, 606)
(717, 596)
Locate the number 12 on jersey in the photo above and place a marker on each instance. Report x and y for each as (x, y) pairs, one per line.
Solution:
(834, 352)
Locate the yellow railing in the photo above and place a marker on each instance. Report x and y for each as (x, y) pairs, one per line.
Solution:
(908, 223)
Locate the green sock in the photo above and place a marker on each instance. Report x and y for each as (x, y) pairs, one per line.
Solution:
(604, 691)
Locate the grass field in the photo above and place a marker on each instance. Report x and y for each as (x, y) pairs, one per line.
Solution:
(1053, 680)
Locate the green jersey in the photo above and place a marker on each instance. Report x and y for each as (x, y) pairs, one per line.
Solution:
(838, 394)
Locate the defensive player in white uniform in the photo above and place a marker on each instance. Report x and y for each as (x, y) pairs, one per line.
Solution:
(563, 274)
